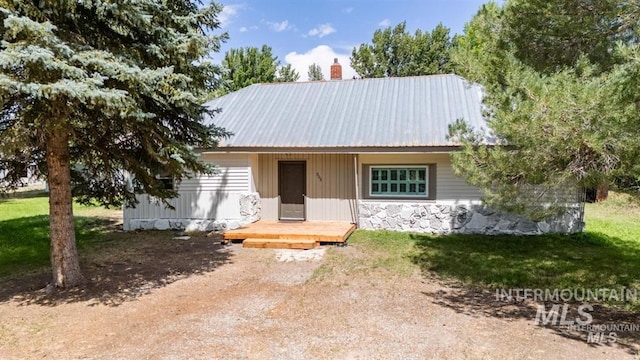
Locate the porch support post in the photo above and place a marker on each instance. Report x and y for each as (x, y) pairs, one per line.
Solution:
(357, 188)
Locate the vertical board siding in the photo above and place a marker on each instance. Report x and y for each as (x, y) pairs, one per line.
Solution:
(449, 187)
(202, 196)
(253, 172)
(330, 186)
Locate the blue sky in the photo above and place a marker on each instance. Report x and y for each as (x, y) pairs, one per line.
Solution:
(304, 32)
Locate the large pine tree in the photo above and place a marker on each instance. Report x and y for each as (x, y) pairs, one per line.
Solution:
(94, 90)
(562, 99)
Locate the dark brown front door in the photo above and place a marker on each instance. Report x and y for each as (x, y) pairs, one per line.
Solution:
(292, 187)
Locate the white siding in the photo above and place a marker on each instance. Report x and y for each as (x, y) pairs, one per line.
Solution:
(233, 174)
(452, 187)
(449, 187)
(190, 205)
(202, 197)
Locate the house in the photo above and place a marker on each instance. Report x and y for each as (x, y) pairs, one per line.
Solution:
(28, 175)
(373, 152)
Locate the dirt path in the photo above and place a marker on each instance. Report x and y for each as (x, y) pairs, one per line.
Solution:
(251, 306)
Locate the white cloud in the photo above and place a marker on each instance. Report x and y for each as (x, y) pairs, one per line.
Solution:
(228, 13)
(384, 23)
(279, 26)
(322, 30)
(348, 10)
(322, 55)
(250, 28)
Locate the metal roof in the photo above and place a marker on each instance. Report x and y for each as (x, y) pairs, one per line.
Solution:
(386, 112)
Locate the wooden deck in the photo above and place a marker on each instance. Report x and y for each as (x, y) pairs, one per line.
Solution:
(290, 234)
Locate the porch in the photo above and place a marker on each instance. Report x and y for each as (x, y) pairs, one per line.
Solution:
(290, 234)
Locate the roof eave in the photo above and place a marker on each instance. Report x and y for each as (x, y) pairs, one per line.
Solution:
(336, 150)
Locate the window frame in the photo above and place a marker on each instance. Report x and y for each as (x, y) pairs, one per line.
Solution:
(24, 171)
(166, 179)
(425, 167)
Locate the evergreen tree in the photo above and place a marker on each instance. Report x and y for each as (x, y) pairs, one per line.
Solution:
(91, 91)
(568, 118)
(549, 35)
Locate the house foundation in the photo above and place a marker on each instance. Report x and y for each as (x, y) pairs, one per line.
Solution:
(445, 218)
(250, 207)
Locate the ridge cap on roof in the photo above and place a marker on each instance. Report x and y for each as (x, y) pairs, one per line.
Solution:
(345, 81)
(358, 79)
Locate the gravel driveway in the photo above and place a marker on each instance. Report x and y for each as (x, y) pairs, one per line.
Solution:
(263, 304)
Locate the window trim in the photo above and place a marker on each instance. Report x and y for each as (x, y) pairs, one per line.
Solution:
(165, 178)
(24, 170)
(371, 195)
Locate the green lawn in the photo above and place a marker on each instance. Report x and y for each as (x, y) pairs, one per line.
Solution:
(607, 255)
(24, 231)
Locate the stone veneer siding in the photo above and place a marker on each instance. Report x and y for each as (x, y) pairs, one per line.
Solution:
(445, 218)
(250, 207)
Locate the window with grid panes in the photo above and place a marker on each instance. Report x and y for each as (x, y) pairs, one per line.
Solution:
(398, 181)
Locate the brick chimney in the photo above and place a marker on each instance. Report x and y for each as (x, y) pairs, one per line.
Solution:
(336, 70)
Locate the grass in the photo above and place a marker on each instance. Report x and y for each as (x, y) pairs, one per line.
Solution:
(606, 255)
(385, 250)
(24, 230)
(381, 251)
(588, 261)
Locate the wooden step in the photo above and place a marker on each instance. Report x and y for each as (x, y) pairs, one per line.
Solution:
(279, 243)
(319, 231)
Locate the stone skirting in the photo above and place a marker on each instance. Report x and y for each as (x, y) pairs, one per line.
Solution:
(443, 218)
(250, 208)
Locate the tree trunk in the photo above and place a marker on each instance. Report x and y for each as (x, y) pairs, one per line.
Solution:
(64, 254)
(602, 193)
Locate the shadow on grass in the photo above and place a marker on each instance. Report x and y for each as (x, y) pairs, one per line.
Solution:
(475, 267)
(119, 266)
(25, 245)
